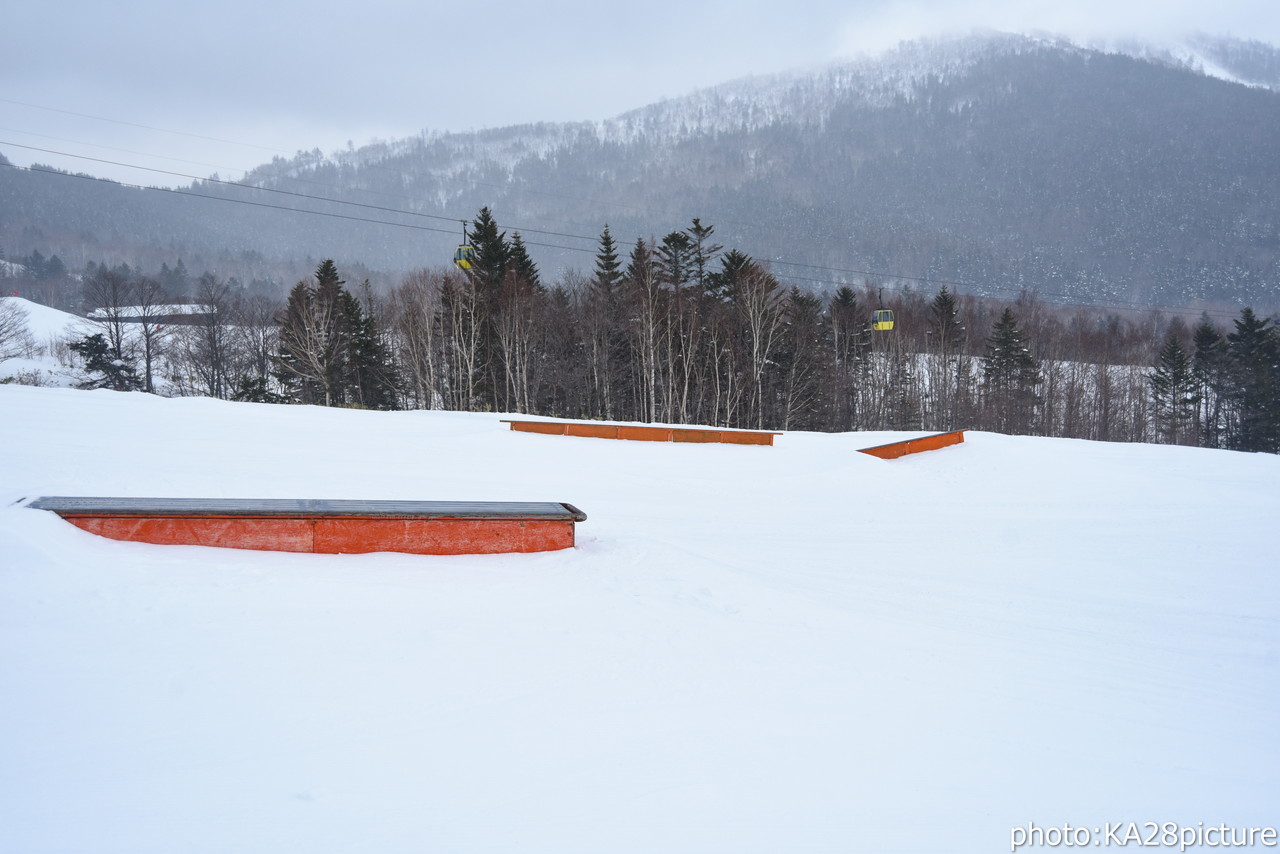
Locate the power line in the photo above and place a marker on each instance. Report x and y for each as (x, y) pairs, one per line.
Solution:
(375, 166)
(397, 172)
(269, 189)
(1116, 303)
(143, 127)
(276, 207)
(1063, 298)
(109, 148)
(224, 168)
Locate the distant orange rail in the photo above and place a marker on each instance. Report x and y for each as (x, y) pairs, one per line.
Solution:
(599, 430)
(893, 450)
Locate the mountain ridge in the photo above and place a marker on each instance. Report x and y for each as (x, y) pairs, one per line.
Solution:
(1004, 161)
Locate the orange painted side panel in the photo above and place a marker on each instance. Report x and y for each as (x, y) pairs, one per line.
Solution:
(895, 450)
(442, 536)
(280, 535)
(538, 427)
(595, 430)
(339, 535)
(645, 434)
(736, 438)
(691, 435)
(592, 431)
(887, 452)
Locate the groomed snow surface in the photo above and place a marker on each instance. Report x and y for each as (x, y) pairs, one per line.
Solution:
(789, 649)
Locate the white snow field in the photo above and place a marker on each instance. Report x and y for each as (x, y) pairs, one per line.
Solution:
(752, 649)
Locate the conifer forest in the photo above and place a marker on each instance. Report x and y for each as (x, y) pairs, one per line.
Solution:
(680, 329)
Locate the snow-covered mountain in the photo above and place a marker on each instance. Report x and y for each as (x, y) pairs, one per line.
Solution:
(999, 161)
(803, 98)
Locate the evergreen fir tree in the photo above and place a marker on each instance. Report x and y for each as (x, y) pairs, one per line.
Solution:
(642, 263)
(34, 264)
(522, 265)
(312, 339)
(944, 321)
(704, 252)
(674, 259)
(493, 254)
(488, 276)
(1011, 376)
(606, 344)
(112, 370)
(723, 284)
(175, 280)
(331, 321)
(945, 334)
(608, 270)
(1208, 364)
(847, 324)
(1253, 350)
(1173, 393)
(54, 268)
(368, 375)
(256, 390)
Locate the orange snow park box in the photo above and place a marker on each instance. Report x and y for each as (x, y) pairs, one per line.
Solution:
(327, 527)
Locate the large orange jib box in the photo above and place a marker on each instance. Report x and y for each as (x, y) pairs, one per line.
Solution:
(326, 527)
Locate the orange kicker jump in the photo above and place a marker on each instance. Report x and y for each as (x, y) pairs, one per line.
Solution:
(327, 527)
(597, 430)
(893, 450)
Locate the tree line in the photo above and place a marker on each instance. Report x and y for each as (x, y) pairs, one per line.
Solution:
(679, 329)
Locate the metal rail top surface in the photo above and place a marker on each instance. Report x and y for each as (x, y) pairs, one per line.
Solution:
(296, 507)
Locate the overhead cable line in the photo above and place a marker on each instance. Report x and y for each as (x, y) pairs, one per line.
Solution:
(144, 127)
(224, 168)
(110, 148)
(277, 207)
(1115, 303)
(1064, 299)
(275, 190)
(374, 166)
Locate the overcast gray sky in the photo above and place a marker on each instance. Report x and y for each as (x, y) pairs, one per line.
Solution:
(224, 87)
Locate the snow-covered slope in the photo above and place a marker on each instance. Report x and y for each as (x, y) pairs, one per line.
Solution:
(802, 98)
(26, 354)
(797, 648)
(44, 322)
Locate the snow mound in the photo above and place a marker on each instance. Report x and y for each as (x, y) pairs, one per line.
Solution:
(44, 322)
(752, 649)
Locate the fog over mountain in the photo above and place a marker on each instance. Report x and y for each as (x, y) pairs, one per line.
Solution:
(1001, 162)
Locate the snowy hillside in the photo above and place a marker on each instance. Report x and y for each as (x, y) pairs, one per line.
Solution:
(43, 322)
(797, 648)
(801, 98)
(1097, 173)
(26, 346)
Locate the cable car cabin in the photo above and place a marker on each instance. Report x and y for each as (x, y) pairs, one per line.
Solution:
(465, 257)
(882, 320)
